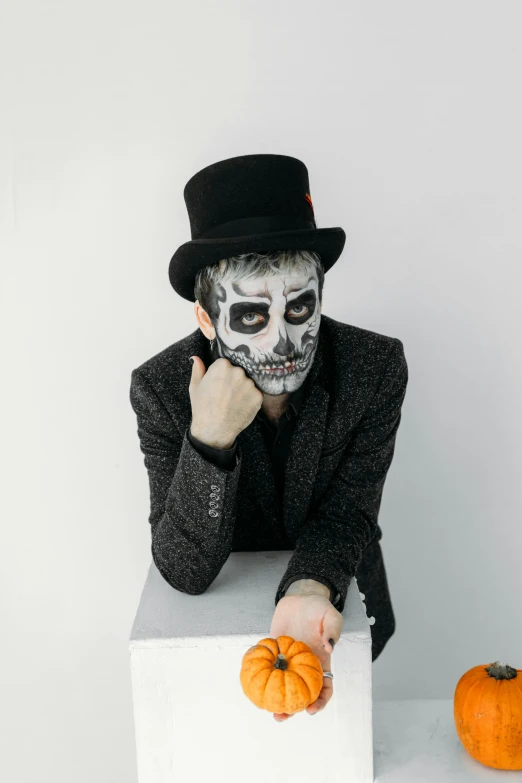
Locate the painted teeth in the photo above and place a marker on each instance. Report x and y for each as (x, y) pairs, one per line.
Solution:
(257, 367)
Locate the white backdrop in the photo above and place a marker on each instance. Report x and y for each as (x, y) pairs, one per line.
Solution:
(408, 117)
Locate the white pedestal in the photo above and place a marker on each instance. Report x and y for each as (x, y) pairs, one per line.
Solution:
(192, 719)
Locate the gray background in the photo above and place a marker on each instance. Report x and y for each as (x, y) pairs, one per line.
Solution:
(408, 117)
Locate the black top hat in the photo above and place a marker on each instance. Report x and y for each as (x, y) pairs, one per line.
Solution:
(249, 203)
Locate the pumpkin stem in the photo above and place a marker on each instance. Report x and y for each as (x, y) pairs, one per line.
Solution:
(281, 662)
(501, 671)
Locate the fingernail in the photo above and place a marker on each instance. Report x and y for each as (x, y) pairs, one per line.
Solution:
(191, 360)
(312, 714)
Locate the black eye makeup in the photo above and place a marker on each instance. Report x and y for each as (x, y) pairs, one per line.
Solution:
(301, 308)
(241, 313)
(250, 318)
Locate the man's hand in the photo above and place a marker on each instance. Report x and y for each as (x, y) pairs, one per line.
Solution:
(311, 619)
(224, 400)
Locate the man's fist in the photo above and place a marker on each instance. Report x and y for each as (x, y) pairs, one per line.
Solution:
(224, 401)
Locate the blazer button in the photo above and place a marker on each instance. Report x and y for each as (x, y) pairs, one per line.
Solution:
(212, 513)
(214, 487)
(371, 620)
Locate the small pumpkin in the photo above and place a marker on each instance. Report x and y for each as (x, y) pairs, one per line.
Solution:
(487, 709)
(281, 675)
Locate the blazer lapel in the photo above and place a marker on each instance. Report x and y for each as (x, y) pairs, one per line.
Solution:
(305, 448)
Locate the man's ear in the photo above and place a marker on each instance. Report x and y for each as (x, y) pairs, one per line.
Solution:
(204, 322)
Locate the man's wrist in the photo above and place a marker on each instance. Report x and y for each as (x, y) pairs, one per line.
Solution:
(215, 442)
(308, 587)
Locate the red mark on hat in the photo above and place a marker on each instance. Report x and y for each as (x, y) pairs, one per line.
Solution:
(309, 199)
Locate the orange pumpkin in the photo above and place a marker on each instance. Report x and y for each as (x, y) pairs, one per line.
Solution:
(281, 675)
(487, 709)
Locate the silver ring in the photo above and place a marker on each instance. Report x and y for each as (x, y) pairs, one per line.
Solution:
(328, 674)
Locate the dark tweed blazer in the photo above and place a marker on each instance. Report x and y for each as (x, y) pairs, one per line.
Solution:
(340, 453)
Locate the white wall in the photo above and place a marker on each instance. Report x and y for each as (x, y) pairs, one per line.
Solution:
(408, 117)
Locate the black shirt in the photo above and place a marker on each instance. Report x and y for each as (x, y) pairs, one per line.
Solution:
(277, 438)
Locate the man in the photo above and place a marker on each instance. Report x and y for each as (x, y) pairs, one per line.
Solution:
(281, 433)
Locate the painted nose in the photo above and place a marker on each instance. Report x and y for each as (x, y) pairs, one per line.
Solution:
(285, 347)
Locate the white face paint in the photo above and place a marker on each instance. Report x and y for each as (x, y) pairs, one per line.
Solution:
(270, 327)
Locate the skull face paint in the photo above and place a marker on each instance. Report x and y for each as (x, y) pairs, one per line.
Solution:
(269, 326)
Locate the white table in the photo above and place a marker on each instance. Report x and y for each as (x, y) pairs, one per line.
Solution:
(415, 741)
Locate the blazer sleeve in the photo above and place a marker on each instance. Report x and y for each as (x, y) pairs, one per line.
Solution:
(192, 500)
(344, 521)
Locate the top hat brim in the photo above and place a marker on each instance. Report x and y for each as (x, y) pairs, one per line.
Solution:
(192, 256)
